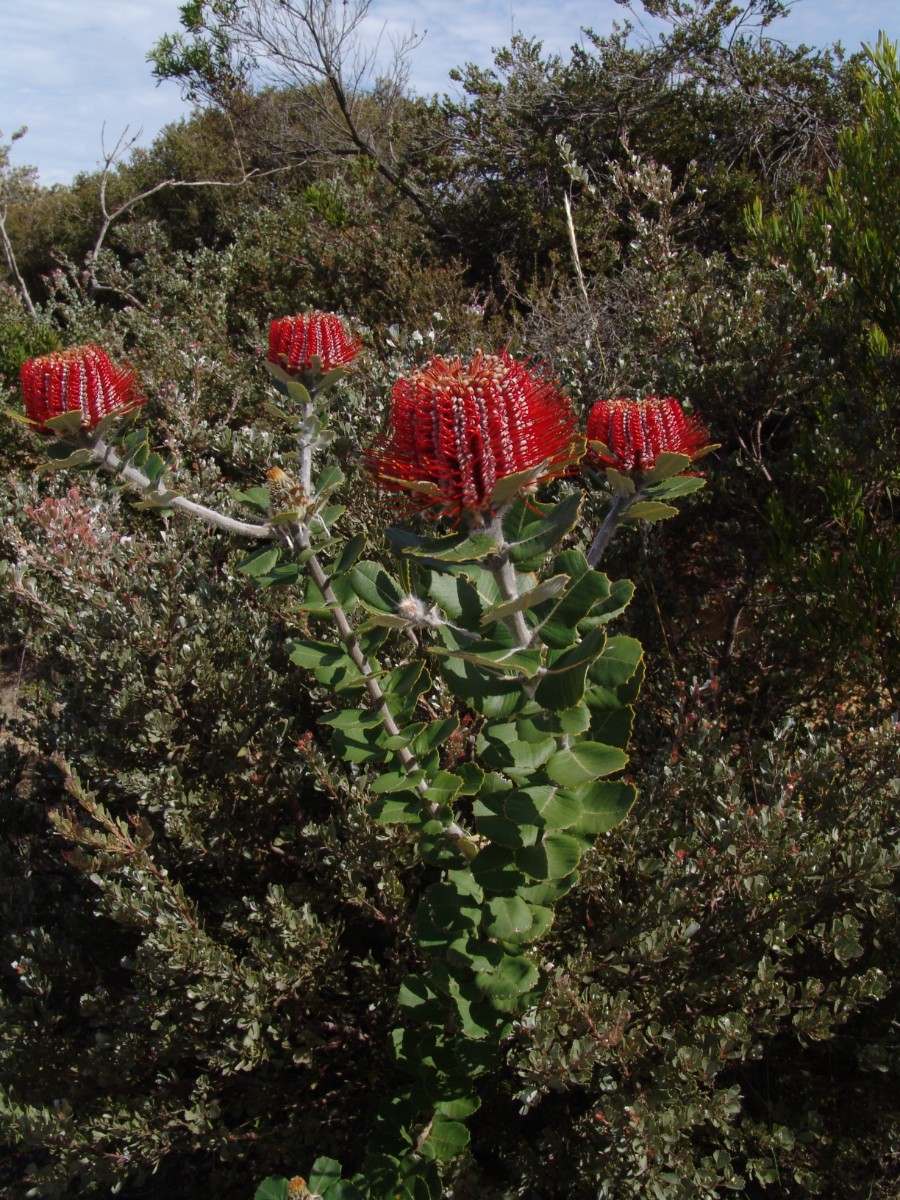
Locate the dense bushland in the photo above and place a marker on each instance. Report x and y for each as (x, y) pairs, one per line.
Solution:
(202, 933)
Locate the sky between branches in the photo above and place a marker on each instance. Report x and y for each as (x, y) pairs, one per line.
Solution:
(70, 67)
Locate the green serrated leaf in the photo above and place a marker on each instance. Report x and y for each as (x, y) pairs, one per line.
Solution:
(650, 511)
(529, 599)
(256, 499)
(584, 761)
(666, 465)
(605, 804)
(541, 537)
(378, 591)
(273, 1188)
(260, 562)
(458, 548)
(446, 1140)
(563, 683)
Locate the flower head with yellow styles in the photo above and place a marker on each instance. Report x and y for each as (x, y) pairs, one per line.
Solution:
(459, 428)
(83, 380)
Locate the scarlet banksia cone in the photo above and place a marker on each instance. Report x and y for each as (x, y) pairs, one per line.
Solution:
(295, 341)
(636, 432)
(458, 428)
(82, 379)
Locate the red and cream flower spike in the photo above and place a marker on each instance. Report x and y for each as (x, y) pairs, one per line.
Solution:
(634, 433)
(295, 341)
(82, 379)
(458, 429)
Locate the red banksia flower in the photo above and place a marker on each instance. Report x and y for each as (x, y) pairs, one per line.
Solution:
(459, 428)
(84, 379)
(636, 432)
(294, 341)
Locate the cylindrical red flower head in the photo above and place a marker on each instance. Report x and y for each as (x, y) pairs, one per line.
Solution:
(459, 428)
(82, 379)
(294, 341)
(636, 432)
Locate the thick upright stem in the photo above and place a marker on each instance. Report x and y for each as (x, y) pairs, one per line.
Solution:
(505, 575)
(605, 533)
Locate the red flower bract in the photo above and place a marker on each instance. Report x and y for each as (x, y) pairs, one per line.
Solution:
(293, 341)
(82, 379)
(461, 427)
(636, 432)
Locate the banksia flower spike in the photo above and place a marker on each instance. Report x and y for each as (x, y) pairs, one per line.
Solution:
(295, 341)
(458, 429)
(82, 379)
(636, 432)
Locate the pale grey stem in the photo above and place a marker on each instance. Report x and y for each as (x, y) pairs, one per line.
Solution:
(306, 436)
(608, 528)
(109, 459)
(376, 695)
(505, 575)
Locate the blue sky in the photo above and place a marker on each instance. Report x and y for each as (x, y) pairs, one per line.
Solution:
(70, 67)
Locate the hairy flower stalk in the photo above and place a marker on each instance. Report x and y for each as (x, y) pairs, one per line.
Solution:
(458, 429)
(83, 379)
(307, 347)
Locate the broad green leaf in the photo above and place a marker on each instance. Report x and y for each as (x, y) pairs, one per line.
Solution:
(485, 692)
(585, 761)
(605, 804)
(260, 562)
(349, 554)
(514, 976)
(396, 781)
(548, 891)
(434, 734)
(650, 511)
(494, 869)
(459, 1107)
(477, 954)
(61, 455)
(378, 591)
(256, 499)
(588, 587)
(620, 663)
(450, 909)
(507, 917)
(446, 1140)
(684, 485)
(613, 726)
(541, 537)
(457, 598)
(273, 1188)
(458, 548)
(543, 806)
(442, 786)
(528, 599)
(666, 465)
(395, 810)
(563, 684)
(499, 746)
(555, 856)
